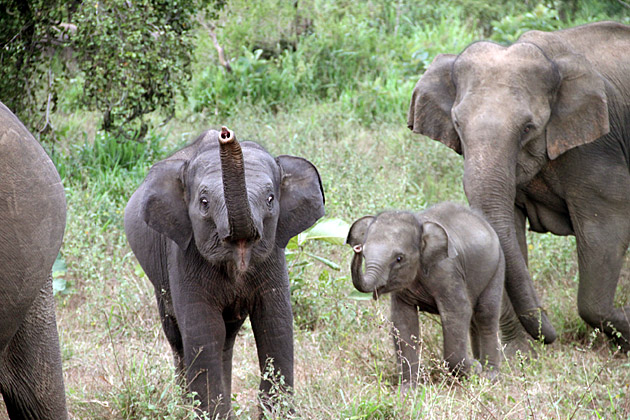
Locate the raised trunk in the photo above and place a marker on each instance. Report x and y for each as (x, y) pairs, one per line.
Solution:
(240, 220)
(367, 282)
(492, 190)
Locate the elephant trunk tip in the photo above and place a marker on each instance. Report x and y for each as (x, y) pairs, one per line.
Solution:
(227, 136)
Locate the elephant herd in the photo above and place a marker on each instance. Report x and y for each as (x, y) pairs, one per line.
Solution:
(543, 126)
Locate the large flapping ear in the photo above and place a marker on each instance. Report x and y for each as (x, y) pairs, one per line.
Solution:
(436, 244)
(356, 235)
(163, 205)
(301, 197)
(579, 114)
(431, 102)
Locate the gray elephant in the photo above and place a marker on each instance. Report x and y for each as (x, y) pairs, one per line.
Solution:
(32, 223)
(446, 260)
(544, 128)
(209, 226)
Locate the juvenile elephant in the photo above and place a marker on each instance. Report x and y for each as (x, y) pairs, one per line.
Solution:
(209, 225)
(544, 128)
(32, 222)
(446, 260)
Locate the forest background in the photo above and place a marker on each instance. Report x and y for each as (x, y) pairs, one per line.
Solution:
(110, 87)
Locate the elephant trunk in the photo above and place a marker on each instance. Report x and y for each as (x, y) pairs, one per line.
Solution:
(490, 186)
(240, 220)
(368, 282)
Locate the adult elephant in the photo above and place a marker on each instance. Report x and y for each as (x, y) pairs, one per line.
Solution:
(544, 128)
(32, 222)
(209, 226)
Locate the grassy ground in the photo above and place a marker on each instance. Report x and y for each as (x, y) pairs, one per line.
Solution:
(117, 363)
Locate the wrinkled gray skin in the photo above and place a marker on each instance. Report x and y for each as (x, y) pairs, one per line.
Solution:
(446, 260)
(32, 222)
(544, 128)
(214, 261)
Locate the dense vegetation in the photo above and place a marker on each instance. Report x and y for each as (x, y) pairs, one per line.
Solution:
(328, 80)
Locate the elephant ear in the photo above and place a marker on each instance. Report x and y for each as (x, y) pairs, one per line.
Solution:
(163, 205)
(358, 230)
(580, 112)
(436, 244)
(431, 102)
(301, 197)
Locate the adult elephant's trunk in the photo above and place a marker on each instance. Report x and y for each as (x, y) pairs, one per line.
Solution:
(490, 186)
(240, 220)
(369, 281)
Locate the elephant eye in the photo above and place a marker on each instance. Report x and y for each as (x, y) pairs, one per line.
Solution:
(204, 202)
(270, 199)
(399, 258)
(528, 127)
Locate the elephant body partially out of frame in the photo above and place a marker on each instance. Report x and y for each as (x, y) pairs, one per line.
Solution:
(32, 223)
(209, 226)
(544, 129)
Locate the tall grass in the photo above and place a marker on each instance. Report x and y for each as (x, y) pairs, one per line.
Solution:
(330, 83)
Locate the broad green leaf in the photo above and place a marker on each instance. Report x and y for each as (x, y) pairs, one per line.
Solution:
(356, 295)
(59, 285)
(138, 271)
(59, 268)
(323, 260)
(293, 243)
(334, 231)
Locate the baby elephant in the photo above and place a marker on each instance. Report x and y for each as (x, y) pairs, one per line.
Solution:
(446, 260)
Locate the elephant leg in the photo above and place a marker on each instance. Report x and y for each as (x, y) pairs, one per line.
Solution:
(231, 331)
(272, 322)
(406, 333)
(456, 315)
(601, 246)
(485, 334)
(203, 332)
(31, 378)
(172, 333)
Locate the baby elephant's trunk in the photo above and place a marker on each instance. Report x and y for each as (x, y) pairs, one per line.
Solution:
(240, 220)
(364, 282)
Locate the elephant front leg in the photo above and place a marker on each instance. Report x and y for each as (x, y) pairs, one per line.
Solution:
(406, 332)
(601, 247)
(272, 323)
(231, 331)
(203, 332)
(456, 317)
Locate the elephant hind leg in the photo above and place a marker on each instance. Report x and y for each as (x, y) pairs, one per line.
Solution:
(31, 379)
(173, 335)
(601, 247)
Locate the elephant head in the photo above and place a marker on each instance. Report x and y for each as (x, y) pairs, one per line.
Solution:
(233, 201)
(510, 111)
(397, 248)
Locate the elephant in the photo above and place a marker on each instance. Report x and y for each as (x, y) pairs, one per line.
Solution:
(445, 260)
(209, 225)
(31, 378)
(543, 126)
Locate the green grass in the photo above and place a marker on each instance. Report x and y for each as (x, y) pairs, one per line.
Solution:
(340, 100)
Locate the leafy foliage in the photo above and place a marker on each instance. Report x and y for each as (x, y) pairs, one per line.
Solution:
(134, 56)
(31, 35)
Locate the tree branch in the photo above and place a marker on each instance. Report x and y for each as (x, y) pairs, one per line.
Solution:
(211, 31)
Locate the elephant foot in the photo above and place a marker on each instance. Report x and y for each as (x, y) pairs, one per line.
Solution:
(537, 324)
(521, 343)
